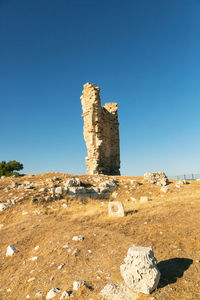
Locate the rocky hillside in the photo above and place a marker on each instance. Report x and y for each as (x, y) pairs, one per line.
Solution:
(65, 241)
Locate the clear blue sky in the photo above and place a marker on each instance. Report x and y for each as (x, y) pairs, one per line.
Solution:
(144, 54)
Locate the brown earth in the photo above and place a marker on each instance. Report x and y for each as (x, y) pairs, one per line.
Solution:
(169, 223)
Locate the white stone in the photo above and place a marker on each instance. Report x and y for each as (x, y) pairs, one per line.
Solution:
(33, 258)
(28, 296)
(61, 266)
(1, 226)
(66, 295)
(38, 295)
(24, 213)
(11, 250)
(164, 189)
(133, 199)
(52, 293)
(36, 248)
(58, 190)
(78, 284)
(158, 178)
(144, 199)
(78, 238)
(3, 206)
(111, 209)
(140, 272)
(31, 279)
(64, 205)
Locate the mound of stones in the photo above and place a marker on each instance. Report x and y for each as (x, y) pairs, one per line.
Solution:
(56, 188)
(158, 178)
(140, 274)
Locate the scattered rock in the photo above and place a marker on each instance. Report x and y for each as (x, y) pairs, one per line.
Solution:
(61, 266)
(24, 213)
(11, 250)
(78, 238)
(144, 199)
(164, 189)
(52, 293)
(140, 272)
(36, 247)
(78, 284)
(38, 295)
(33, 258)
(3, 206)
(1, 226)
(112, 206)
(31, 279)
(66, 295)
(64, 205)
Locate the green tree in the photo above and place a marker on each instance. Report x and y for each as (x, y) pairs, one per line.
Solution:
(9, 168)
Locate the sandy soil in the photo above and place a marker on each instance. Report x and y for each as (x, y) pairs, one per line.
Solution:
(169, 223)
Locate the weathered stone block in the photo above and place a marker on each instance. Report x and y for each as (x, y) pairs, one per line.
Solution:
(140, 272)
(112, 209)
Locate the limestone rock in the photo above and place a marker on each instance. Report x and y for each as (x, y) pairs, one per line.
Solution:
(66, 295)
(140, 272)
(78, 284)
(52, 293)
(158, 178)
(78, 238)
(3, 206)
(11, 250)
(144, 199)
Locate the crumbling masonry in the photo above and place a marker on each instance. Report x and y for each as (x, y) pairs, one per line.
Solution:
(101, 133)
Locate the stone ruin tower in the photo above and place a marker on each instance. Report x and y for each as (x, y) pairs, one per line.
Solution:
(101, 133)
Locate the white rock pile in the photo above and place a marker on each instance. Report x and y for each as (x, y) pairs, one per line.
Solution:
(158, 178)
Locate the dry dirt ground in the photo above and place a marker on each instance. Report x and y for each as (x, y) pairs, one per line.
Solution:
(169, 223)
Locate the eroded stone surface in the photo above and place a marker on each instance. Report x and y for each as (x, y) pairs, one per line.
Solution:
(140, 272)
(101, 133)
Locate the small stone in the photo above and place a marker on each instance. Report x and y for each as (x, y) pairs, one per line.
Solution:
(33, 258)
(9, 290)
(3, 206)
(64, 205)
(24, 213)
(31, 279)
(78, 284)
(36, 248)
(144, 199)
(133, 199)
(38, 295)
(1, 226)
(164, 189)
(58, 190)
(28, 296)
(78, 238)
(61, 266)
(11, 250)
(66, 295)
(89, 251)
(52, 293)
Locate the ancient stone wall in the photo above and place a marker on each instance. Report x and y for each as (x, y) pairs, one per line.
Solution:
(101, 133)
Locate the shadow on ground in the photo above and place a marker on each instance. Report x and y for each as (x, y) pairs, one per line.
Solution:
(172, 269)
